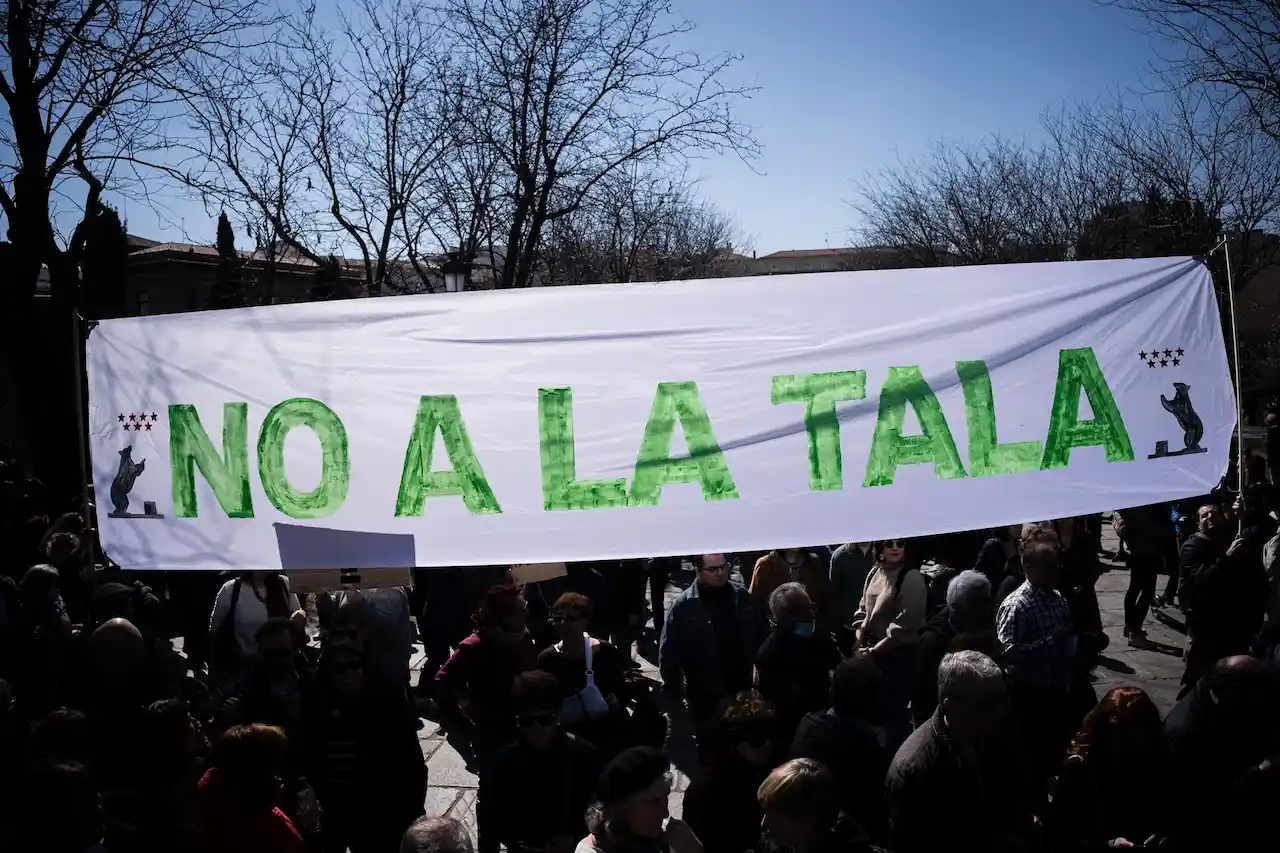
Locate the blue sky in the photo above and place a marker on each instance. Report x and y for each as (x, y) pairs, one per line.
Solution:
(848, 86)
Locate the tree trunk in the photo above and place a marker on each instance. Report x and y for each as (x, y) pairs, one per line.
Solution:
(37, 348)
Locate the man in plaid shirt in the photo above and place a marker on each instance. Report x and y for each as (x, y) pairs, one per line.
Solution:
(1034, 628)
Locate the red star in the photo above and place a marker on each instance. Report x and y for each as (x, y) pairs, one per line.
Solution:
(148, 427)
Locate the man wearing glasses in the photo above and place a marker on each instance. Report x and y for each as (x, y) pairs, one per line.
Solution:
(709, 640)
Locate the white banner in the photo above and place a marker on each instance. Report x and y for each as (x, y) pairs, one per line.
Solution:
(619, 421)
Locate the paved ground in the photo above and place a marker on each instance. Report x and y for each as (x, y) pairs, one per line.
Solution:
(1157, 668)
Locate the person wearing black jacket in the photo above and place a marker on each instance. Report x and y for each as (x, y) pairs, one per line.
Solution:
(844, 738)
(1225, 592)
(793, 667)
(968, 610)
(535, 795)
(363, 757)
(1219, 735)
(721, 806)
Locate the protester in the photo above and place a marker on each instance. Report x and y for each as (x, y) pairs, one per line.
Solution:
(1147, 531)
(436, 835)
(801, 805)
(1219, 735)
(1114, 789)
(589, 672)
(1035, 631)
(632, 808)
(887, 627)
(958, 782)
(793, 666)
(793, 565)
(363, 758)
(721, 806)
(1224, 592)
(242, 606)
(844, 739)
(998, 557)
(534, 797)
(474, 685)
(240, 794)
(850, 565)
(381, 617)
(968, 611)
(709, 640)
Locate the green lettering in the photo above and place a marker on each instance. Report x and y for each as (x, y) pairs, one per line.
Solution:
(705, 463)
(419, 481)
(890, 448)
(335, 470)
(560, 486)
(820, 392)
(1078, 369)
(227, 474)
(986, 455)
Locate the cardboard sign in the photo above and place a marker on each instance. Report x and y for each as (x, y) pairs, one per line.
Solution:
(304, 581)
(536, 572)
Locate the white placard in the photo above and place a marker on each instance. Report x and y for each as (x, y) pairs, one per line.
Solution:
(436, 430)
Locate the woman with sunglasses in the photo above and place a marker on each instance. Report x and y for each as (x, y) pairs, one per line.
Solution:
(887, 626)
(721, 805)
(589, 672)
(363, 756)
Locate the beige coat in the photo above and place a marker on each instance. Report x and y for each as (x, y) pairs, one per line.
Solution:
(885, 616)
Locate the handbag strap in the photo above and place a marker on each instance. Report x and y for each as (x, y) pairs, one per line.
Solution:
(591, 675)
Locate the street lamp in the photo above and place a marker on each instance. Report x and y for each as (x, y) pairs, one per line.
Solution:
(454, 270)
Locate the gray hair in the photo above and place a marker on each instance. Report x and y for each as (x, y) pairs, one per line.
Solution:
(966, 591)
(783, 595)
(436, 835)
(964, 674)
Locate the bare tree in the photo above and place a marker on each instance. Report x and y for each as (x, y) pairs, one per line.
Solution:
(1207, 160)
(84, 83)
(1232, 45)
(567, 92)
(639, 226)
(330, 136)
(990, 202)
(1194, 158)
(461, 204)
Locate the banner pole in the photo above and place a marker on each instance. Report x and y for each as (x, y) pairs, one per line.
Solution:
(82, 415)
(1235, 363)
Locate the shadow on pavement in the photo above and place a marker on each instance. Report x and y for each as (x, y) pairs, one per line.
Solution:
(1115, 665)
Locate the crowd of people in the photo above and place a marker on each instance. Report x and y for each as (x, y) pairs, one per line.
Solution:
(908, 695)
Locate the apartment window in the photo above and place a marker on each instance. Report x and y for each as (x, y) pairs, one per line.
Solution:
(144, 303)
